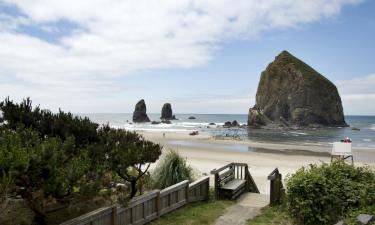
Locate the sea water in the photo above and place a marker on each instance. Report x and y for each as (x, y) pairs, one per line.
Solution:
(365, 138)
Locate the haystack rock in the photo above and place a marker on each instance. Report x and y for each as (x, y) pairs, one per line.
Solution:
(166, 112)
(292, 94)
(139, 114)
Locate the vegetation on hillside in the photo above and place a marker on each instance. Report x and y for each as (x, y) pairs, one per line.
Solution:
(51, 159)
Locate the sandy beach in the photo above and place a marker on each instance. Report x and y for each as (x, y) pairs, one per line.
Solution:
(204, 153)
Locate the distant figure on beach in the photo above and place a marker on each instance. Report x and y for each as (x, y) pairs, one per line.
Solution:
(163, 135)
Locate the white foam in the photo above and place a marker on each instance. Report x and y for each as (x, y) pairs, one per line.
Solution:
(159, 130)
(372, 127)
(297, 133)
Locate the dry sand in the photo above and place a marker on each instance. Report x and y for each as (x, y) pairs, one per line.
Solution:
(204, 153)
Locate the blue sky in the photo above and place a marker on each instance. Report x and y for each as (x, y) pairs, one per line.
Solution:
(104, 59)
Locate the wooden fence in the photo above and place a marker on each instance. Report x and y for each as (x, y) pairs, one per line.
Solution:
(277, 190)
(147, 207)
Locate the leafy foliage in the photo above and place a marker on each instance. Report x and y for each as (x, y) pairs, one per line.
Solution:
(5, 182)
(49, 158)
(44, 170)
(324, 194)
(171, 170)
(129, 154)
(62, 125)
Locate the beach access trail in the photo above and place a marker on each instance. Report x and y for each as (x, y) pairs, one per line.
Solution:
(246, 207)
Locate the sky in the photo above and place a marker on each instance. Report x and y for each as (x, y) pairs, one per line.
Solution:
(202, 56)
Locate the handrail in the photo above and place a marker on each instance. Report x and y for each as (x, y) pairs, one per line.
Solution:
(145, 197)
(239, 164)
(174, 187)
(88, 216)
(198, 182)
(215, 171)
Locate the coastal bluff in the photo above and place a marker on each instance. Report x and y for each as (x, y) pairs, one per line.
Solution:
(139, 114)
(291, 94)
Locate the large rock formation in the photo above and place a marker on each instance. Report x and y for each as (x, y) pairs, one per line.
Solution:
(292, 94)
(166, 112)
(139, 114)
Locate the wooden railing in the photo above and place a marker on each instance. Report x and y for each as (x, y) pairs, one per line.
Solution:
(276, 188)
(147, 207)
(241, 171)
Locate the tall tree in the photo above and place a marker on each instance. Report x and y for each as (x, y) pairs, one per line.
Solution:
(130, 155)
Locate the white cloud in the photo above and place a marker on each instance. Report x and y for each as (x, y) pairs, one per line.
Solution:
(113, 38)
(358, 95)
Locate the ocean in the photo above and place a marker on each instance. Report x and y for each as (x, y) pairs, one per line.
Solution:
(364, 138)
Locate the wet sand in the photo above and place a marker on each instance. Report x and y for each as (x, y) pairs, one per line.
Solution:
(205, 153)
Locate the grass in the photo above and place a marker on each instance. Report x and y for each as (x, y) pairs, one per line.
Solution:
(278, 216)
(195, 214)
(271, 216)
(351, 216)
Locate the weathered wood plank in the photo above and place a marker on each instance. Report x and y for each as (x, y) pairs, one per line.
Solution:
(147, 207)
(173, 188)
(89, 217)
(234, 184)
(199, 182)
(214, 171)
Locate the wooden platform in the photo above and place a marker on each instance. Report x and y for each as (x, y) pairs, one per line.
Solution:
(234, 184)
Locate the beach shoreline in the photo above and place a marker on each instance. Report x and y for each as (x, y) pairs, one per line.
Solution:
(205, 153)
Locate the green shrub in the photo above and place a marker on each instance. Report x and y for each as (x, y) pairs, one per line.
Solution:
(324, 194)
(49, 159)
(171, 170)
(62, 125)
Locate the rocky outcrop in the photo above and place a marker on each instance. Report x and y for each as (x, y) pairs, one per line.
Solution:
(292, 94)
(139, 114)
(166, 112)
(229, 124)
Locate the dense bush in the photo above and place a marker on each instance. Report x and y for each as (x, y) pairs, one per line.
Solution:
(43, 170)
(62, 125)
(171, 170)
(48, 159)
(324, 194)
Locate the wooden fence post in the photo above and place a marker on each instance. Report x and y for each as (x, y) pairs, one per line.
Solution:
(216, 185)
(158, 209)
(114, 216)
(207, 187)
(187, 193)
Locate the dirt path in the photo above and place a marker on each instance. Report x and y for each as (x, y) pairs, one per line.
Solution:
(246, 207)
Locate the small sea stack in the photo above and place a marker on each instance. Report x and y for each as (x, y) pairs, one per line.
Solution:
(292, 94)
(139, 114)
(166, 112)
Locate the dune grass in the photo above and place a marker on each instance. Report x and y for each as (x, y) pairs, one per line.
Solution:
(271, 216)
(195, 214)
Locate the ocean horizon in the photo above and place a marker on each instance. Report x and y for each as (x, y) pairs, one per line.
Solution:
(362, 138)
